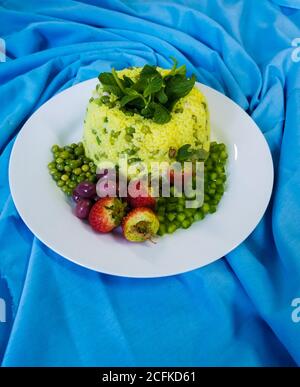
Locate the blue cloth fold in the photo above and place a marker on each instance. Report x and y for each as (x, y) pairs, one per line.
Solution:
(234, 312)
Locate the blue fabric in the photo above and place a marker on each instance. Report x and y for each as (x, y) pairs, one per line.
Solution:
(234, 312)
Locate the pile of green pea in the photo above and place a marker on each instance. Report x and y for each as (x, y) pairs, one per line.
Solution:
(172, 212)
(70, 167)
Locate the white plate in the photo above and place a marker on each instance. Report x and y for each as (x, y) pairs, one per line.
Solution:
(46, 212)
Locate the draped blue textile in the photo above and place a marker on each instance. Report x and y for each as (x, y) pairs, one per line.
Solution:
(234, 312)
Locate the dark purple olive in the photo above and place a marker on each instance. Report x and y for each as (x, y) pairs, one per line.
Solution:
(76, 197)
(83, 208)
(86, 189)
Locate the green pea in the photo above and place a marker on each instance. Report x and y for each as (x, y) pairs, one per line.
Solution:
(60, 183)
(69, 149)
(180, 208)
(205, 208)
(161, 230)
(130, 130)
(60, 167)
(186, 223)
(57, 176)
(74, 164)
(220, 189)
(218, 197)
(65, 155)
(177, 223)
(65, 177)
(198, 216)
(171, 228)
(181, 216)
(64, 189)
(223, 155)
(68, 168)
(171, 216)
(77, 171)
(85, 168)
(161, 210)
(212, 209)
(213, 176)
(55, 149)
(79, 151)
(52, 165)
(161, 218)
(214, 156)
(59, 160)
(181, 201)
(171, 207)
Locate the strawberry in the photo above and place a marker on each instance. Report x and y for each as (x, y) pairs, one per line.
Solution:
(139, 196)
(140, 225)
(106, 214)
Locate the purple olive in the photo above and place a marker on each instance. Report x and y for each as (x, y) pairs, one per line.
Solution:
(83, 208)
(86, 189)
(76, 197)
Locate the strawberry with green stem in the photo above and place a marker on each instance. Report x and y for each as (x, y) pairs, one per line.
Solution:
(107, 214)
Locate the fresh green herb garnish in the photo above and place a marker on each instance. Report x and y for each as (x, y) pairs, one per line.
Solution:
(151, 95)
(186, 153)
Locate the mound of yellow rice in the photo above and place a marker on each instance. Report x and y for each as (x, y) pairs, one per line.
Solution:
(106, 129)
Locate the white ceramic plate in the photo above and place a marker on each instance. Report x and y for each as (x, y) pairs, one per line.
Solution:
(47, 213)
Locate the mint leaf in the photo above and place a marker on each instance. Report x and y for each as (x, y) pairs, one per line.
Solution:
(128, 98)
(109, 84)
(127, 81)
(174, 70)
(183, 153)
(154, 84)
(179, 86)
(161, 114)
(151, 95)
(162, 96)
(148, 71)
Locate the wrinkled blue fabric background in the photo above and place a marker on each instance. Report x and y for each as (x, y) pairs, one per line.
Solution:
(234, 312)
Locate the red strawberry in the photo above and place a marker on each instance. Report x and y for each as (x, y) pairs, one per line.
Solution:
(106, 214)
(140, 225)
(139, 196)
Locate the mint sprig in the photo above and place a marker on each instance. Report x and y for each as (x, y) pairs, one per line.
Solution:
(151, 95)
